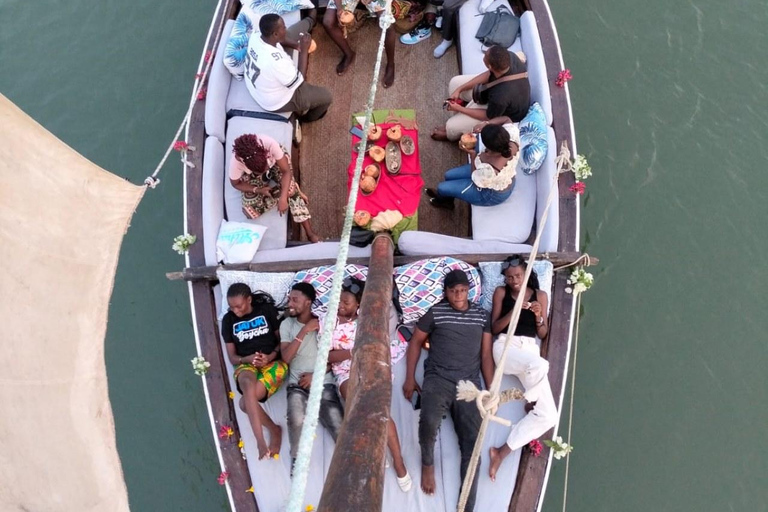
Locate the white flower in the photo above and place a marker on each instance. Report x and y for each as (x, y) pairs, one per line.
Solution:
(558, 440)
(182, 243)
(200, 365)
(581, 168)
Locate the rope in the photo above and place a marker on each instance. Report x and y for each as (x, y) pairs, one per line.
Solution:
(584, 257)
(563, 163)
(301, 466)
(570, 406)
(152, 181)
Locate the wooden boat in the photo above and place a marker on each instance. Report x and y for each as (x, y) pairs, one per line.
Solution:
(319, 159)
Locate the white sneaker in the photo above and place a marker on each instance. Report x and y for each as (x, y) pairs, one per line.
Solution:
(442, 48)
(405, 483)
(439, 22)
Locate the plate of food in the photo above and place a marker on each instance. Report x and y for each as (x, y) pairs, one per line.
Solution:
(370, 179)
(393, 157)
(407, 146)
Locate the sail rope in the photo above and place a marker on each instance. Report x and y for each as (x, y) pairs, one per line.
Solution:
(489, 403)
(570, 406)
(301, 465)
(151, 181)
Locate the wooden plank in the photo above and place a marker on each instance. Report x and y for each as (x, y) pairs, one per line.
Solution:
(355, 478)
(209, 273)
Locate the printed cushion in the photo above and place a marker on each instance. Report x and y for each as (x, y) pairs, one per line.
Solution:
(278, 6)
(237, 242)
(322, 279)
(237, 44)
(420, 284)
(492, 279)
(277, 284)
(533, 139)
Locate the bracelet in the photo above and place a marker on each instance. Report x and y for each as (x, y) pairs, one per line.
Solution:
(298, 339)
(540, 322)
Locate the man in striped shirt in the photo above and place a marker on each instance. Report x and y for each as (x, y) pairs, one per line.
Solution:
(460, 348)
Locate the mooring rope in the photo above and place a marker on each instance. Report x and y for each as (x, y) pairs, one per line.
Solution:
(301, 466)
(570, 406)
(583, 258)
(492, 398)
(151, 181)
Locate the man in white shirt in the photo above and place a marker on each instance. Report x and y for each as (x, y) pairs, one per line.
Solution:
(273, 80)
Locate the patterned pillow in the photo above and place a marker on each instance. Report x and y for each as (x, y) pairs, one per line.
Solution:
(421, 284)
(492, 278)
(277, 284)
(278, 6)
(237, 45)
(322, 278)
(533, 139)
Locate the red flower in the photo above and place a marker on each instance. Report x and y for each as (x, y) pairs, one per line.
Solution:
(579, 187)
(223, 477)
(563, 77)
(202, 93)
(180, 145)
(225, 432)
(207, 56)
(199, 75)
(535, 447)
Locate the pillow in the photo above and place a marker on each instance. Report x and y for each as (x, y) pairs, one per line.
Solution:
(533, 139)
(238, 241)
(237, 45)
(277, 284)
(278, 6)
(420, 284)
(492, 278)
(322, 278)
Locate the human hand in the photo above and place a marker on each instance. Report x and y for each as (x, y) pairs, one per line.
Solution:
(456, 94)
(479, 127)
(304, 42)
(305, 380)
(258, 360)
(536, 308)
(452, 106)
(409, 386)
(282, 205)
(262, 191)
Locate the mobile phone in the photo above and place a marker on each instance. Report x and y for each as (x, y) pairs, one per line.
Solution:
(416, 400)
(357, 132)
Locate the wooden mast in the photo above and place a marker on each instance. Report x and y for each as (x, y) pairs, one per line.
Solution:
(355, 479)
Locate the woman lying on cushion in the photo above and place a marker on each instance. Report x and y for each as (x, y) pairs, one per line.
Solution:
(489, 178)
(340, 357)
(261, 170)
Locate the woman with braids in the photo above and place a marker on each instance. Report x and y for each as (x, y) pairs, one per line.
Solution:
(261, 170)
(523, 360)
(489, 178)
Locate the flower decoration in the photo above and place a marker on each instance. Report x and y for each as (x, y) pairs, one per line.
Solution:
(250, 490)
(309, 508)
(222, 477)
(535, 447)
(208, 55)
(581, 168)
(562, 77)
(276, 456)
(200, 365)
(231, 395)
(225, 432)
(181, 245)
(578, 188)
(581, 281)
(180, 145)
(559, 448)
(201, 94)
(199, 75)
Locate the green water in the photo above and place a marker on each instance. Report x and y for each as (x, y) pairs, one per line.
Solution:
(670, 105)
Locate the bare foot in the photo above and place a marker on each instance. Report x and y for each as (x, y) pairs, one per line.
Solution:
(314, 238)
(263, 449)
(400, 469)
(496, 461)
(439, 134)
(389, 75)
(345, 63)
(428, 479)
(275, 440)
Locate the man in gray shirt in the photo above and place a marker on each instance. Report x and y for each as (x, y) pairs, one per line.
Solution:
(298, 337)
(459, 334)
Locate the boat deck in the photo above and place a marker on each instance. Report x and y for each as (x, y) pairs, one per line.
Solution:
(325, 148)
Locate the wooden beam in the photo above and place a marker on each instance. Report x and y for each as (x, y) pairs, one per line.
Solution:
(355, 479)
(209, 273)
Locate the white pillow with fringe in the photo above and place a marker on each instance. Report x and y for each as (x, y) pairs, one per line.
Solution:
(277, 284)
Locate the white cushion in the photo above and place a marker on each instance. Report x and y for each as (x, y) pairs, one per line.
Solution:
(537, 69)
(238, 242)
(544, 176)
(512, 220)
(276, 236)
(218, 89)
(213, 196)
(470, 48)
(277, 284)
(309, 252)
(423, 243)
(240, 99)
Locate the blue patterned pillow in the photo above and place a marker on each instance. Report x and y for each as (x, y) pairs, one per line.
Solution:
(278, 6)
(492, 279)
(533, 139)
(237, 45)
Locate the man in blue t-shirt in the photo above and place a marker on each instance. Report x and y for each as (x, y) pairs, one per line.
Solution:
(460, 342)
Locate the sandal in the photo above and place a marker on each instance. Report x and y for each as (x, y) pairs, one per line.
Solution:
(405, 483)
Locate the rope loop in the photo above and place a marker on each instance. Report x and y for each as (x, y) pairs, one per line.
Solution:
(151, 182)
(487, 403)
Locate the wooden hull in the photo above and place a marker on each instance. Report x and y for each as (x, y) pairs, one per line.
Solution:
(533, 472)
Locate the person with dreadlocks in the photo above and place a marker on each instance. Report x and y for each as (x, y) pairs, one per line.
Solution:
(261, 170)
(524, 359)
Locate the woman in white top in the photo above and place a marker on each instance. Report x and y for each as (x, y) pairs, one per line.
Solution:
(489, 178)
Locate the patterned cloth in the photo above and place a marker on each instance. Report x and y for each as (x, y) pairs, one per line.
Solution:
(322, 278)
(343, 338)
(421, 284)
(271, 376)
(492, 279)
(373, 6)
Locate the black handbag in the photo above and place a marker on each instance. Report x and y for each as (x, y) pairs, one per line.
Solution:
(360, 237)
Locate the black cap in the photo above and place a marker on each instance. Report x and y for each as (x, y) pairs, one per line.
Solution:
(455, 277)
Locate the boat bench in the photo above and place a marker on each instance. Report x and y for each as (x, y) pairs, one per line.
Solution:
(506, 227)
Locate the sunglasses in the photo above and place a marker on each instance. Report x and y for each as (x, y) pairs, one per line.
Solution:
(348, 285)
(514, 262)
